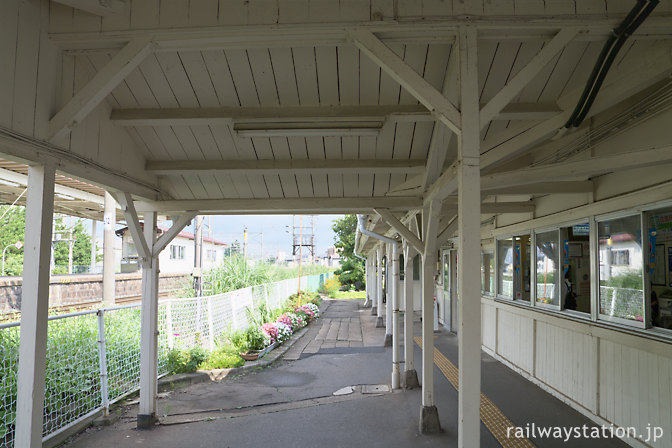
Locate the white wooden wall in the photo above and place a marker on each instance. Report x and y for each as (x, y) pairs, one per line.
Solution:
(610, 376)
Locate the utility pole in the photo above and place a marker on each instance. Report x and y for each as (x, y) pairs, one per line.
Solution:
(93, 246)
(198, 255)
(245, 244)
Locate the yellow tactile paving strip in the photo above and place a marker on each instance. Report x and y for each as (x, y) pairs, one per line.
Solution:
(491, 416)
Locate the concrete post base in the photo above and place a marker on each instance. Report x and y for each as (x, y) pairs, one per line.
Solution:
(374, 310)
(146, 421)
(429, 420)
(379, 322)
(411, 379)
(388, 341)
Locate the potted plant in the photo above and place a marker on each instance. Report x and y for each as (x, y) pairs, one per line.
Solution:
(256, 344)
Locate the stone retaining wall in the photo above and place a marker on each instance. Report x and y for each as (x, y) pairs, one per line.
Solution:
(85, 288)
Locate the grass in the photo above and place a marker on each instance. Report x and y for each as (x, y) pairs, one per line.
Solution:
(350, 295)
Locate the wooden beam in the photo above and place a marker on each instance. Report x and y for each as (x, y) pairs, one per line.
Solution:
(102, 8)
(130, 213)
(397, 225)
(438, 29)
(275, 114)
(165, 239)
(28, 150)
(409, 79)
(578, 168)
(448, 231)
(399, 113)
(338, 166)
(526, 74)
(354, 205)
(99, 87)
(561, 187)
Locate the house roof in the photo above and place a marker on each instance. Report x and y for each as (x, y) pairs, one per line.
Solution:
(183, 234)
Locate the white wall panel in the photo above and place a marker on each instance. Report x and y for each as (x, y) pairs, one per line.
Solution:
(515, 339)
(489, 325)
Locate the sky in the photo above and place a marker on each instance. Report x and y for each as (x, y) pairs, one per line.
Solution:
(276, 229)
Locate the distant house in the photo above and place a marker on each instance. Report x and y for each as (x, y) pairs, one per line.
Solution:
(177, 257)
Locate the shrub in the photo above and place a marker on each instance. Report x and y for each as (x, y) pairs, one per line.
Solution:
(185, 361)
(256, 339)
(271, 331)
(330, 286)
(224, 356)
(284, 332)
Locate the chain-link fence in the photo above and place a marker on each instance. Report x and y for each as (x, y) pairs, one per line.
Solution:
(93, 357)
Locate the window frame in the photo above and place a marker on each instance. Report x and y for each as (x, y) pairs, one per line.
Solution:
(513, 296)
(639, 212)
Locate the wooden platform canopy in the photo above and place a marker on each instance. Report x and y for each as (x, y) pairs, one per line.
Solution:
(373, 107)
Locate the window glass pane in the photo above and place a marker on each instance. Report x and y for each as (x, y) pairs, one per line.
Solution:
(660, 249)
(547, 267)
(505, 267)
(621, 282)
(487, 273)
(575, 279)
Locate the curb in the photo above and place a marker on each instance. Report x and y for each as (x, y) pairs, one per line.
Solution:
(180, 380)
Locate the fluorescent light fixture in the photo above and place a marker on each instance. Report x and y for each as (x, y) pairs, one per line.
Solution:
(65, 196)
(306, 129)
(9, 183)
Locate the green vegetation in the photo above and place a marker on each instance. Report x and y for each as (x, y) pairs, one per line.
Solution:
(351, 273)
(630, 280)
(350, 295)
(225, 356)
(13, 228)
(331, 286)
(185, 361)
(237, 273)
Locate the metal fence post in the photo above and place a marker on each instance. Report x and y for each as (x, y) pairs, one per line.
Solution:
(210, 327)
(169, 325)
(102, 359)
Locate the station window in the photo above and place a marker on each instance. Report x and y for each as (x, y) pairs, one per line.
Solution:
(659, 267)
(513, 267)
(547, 262)
(401, 267)
(621, 275)
(487, 273)
(575, 282)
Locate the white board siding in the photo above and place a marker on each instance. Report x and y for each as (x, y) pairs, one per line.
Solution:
(489, 326)
(610, 376)
(567, 361)
(515, 339)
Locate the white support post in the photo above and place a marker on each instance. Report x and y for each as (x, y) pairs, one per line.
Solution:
(389, 294)
(102, 362)
(149, 328)
(429, 415)
(379, 287)
(94, 242)
(373, 275)
(469, 246)
(109, 258)
(410, 374)
(34, 307)
(394, 306)
(367, 284)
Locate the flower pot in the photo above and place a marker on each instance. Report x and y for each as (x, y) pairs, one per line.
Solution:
(253, 355)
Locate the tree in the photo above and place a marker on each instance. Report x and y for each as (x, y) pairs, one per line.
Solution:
(351, 272)
(12, 229)
(81, 250)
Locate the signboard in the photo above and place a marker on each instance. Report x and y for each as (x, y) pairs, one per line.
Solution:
(581, 229)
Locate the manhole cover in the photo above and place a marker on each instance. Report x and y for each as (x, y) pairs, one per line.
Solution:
(375, 388)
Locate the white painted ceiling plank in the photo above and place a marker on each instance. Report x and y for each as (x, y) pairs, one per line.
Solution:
(305, 72)
(327, 75)
(177, 78)
(220, 75)
(199, 78)
(241, 73)
(283, 67)
(264, 77)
